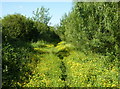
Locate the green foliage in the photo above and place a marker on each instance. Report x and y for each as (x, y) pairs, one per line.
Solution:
(41, 18)
(47, 73)
(41, 15)
(90, 71)
(15, 60)
(48, 65)
(89, 29)
(18, 56)
(92, 26)
(63, 49)
(39, 44)
(76, 68)
(18, 27)
(46, 33)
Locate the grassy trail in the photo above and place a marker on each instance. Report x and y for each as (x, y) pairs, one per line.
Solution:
(61, 66)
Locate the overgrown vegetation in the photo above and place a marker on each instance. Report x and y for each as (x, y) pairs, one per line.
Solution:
(83, 51)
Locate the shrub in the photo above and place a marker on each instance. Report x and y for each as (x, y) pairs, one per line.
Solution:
(18, 27)
(17, 65)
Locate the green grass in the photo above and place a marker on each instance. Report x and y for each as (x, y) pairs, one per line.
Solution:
(60, 65)
(47, 73)
(89, 71)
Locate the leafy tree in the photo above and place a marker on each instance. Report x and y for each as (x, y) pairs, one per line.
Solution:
(92, 26)
(41, 18)
(41, 15)
(17, 26)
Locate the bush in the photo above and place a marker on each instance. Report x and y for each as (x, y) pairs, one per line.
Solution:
(17, 65)
(47, 33)
(18, 27)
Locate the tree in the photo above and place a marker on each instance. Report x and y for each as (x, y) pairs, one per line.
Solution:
(41, 15)
(17, 26)
(92, 26)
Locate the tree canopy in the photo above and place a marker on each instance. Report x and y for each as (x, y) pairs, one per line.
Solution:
(90, 25)
(42, 15)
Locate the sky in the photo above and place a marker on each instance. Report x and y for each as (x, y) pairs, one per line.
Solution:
(57, 9)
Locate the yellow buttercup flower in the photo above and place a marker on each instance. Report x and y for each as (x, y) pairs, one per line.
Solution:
(50, 45)
(113, 85)
(62, 42)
